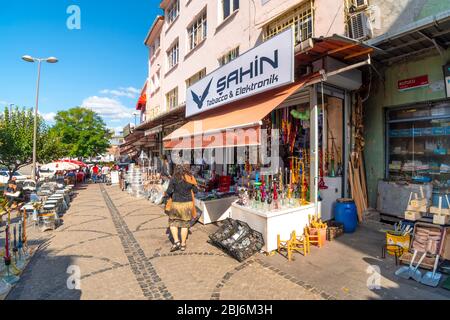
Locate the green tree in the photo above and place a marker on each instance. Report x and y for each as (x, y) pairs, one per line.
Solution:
(16, 140)
(83, 133)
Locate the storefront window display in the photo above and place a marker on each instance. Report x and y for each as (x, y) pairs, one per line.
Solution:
(418, 144)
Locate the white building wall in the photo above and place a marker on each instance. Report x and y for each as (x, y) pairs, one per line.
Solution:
(244, 28)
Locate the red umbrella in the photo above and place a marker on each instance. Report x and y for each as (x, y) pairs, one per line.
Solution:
(80, 163)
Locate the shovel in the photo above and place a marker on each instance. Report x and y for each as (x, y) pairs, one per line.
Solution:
(432, 278)
(416, 274)
(404, 272)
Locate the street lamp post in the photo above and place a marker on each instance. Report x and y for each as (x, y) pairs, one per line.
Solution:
(135, 114)
(39, 61)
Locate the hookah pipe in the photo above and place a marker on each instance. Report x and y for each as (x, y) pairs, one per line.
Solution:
(263, 190)
(321, 181)
(303, 184)
(257, 184)
(20, 244)
(15, 242)
(289, 195)
(7, 257)
(275, 195)
(24, 234)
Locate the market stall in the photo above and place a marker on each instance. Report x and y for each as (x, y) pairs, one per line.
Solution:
(279, 144)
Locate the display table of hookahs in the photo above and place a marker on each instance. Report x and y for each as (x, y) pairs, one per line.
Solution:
(215, 209)
(272, 223)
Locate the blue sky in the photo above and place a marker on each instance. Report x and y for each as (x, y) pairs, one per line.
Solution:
(103, 65)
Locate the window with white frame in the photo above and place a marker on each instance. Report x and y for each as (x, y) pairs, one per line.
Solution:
(172, 98)
(197, 31)
(196, 77)
(155, 46)
(172, 11)
(157, 80)
(173, 55)
(227, 7)
(229, 56)
(152, 85)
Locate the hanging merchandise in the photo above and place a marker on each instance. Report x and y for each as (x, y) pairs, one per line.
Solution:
(301, 115)
(322, 184)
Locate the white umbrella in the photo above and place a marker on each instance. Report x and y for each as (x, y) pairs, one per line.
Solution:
(60, 166)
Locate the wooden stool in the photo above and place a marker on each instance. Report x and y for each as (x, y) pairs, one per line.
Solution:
(300, 244)
(315, 239)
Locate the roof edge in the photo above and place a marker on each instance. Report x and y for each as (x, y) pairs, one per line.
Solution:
(152, 28)
(430, 20)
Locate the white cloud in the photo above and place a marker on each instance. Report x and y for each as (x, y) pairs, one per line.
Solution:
(108, 108)
(3, 103)
(49, 117)
(128, 92)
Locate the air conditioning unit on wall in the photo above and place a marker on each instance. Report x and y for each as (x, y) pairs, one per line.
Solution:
(359, 4)
(359, 26)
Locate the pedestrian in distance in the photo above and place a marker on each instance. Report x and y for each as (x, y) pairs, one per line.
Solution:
(105, 173)
(95, 170)
(180, 206)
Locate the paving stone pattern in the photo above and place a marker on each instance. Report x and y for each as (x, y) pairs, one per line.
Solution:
(122, 249)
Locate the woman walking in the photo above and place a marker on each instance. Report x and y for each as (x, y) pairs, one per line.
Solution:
(180, 206)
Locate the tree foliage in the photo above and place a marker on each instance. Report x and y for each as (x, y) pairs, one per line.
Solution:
(16, 140)
(83, 133)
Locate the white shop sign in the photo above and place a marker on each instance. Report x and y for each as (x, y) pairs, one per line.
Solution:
(447, 79)
(267, 66)
(114, 177)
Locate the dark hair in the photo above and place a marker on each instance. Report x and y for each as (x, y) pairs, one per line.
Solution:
(179, 172)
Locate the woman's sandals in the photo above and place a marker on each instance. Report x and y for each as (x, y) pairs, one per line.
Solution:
(176, 246)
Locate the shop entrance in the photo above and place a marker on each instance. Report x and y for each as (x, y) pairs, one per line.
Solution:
(331, 156)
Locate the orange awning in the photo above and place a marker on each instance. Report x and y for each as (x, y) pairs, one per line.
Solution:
(235, 124)
(142, 102)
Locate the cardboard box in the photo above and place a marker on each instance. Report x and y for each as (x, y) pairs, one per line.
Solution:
(413, 215)
(441, 219)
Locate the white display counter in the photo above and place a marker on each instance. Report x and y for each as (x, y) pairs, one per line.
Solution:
(272, 223)
(214, 210)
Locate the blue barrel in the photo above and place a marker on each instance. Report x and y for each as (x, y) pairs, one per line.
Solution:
(345, 213)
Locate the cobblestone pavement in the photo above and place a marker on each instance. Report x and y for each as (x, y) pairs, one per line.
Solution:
(120, 247)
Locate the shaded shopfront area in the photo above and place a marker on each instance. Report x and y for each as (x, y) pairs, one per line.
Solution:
(276, 155)
(284, 158)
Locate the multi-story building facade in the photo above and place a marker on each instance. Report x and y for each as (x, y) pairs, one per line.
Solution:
(196, 37)
(155, 66)
(193, 38)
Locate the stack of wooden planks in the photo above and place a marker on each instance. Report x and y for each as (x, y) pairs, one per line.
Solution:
(357, 172)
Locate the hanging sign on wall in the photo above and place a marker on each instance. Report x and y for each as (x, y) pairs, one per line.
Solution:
(413, 83)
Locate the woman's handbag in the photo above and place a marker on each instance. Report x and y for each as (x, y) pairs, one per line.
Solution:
(194, 209)
(191, 179)
(168, 206)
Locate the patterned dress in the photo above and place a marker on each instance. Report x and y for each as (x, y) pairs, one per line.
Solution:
(182, 207)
